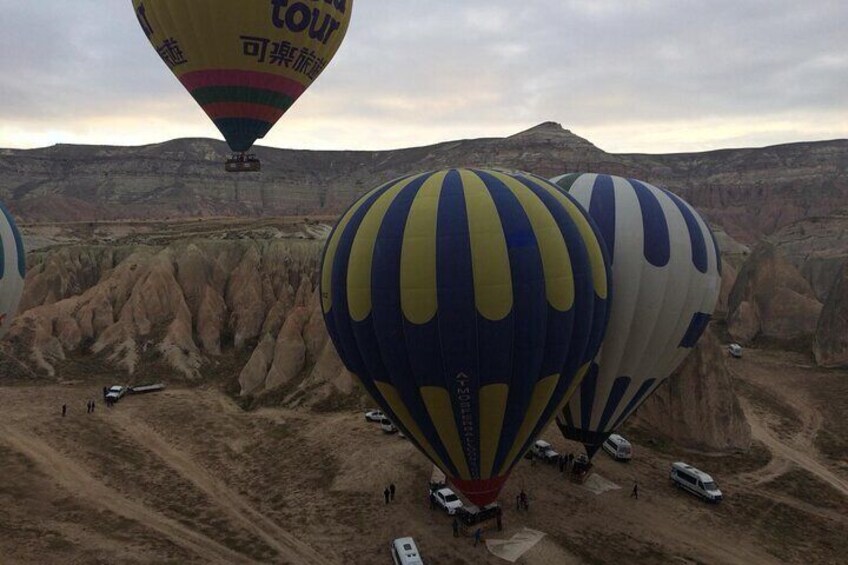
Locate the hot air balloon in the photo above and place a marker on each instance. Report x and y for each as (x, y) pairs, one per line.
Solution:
(666, 272)
(12, 269)
(247, 61)
(469, 304)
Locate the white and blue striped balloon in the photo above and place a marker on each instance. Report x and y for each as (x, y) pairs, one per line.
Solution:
(666, 277)
(12, 269)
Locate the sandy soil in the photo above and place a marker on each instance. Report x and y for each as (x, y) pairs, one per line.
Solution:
(185, 476)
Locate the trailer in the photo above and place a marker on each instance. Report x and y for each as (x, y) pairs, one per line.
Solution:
(143, 389)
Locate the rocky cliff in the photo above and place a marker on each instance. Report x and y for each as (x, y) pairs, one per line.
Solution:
(715, 421)
(750, 192)
(194, 309)
(771, 300)
(831, 344)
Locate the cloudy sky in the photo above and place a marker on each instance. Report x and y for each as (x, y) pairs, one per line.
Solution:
(629, 75)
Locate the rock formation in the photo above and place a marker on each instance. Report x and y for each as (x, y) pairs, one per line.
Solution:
(697, 406)
(831, 344)
(181, 308)
(771, 300)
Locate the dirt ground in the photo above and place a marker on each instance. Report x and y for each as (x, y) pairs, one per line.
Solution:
(186, 476)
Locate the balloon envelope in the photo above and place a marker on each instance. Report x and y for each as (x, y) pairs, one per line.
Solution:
(12, 269)
(666, 272)
(245, 61)
(469, 304)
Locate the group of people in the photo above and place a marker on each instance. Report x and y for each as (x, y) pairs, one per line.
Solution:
(565, 461)
(90, 405)
(389, 493)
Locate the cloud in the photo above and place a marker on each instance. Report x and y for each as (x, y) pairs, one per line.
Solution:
(694, 74)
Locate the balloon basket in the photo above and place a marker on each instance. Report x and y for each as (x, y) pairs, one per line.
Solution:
(242, 163)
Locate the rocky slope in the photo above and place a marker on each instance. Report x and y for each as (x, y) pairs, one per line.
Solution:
(831, 344)
(750, 192)
(771, 300)
(715, 421)
(193, 309)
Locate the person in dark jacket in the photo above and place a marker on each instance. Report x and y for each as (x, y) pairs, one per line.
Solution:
(386, 494)
(455, 528)
(392, 491)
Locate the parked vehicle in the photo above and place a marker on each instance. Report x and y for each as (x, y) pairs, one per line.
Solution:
(387, 426)
(447, 500)
(374, 416)
(115, 393)
(144, 389)
(618, 448)
(735, 350)
(543, 450)
(695, 481)
(405, 552)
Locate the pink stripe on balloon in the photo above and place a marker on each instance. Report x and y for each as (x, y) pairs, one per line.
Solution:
(252, 79)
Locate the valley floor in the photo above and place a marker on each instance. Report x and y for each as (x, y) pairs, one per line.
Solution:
(185, 476)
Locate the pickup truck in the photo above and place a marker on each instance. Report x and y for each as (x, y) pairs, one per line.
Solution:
(115, 393)
(543, 450)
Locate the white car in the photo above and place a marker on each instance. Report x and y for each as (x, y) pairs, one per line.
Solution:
(446, 498)
(387, 426)
(543, 450)
(374, 416)
(735, 350)
(115, 393)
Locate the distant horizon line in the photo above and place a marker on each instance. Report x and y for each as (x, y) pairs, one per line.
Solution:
(540, 125)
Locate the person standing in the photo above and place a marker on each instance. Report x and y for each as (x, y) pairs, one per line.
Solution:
(455, 528)
(64, 410)
(93, 404)
(386, 494)
(478, 533)
(392, 491)
(635, 492)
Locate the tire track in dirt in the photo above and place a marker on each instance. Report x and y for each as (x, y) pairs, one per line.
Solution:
(82, 484)
(785, 451)
(804, 507)
(287, 546)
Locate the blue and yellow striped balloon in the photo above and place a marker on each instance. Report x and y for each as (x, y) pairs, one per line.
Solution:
(469, 303)
(12, 269)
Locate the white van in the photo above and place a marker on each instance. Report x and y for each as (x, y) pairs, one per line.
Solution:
(697, 482)
(618, 448)
(404, 552)
(735, 350)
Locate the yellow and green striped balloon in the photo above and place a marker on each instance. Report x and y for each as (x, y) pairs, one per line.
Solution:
(469, 304)
(245, 61)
